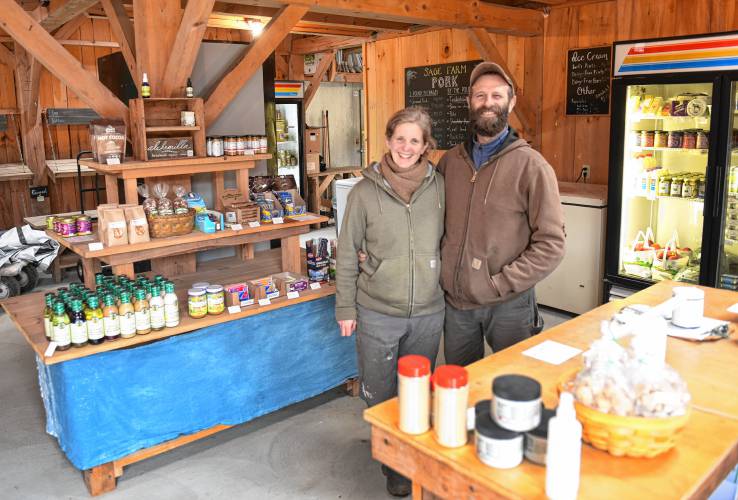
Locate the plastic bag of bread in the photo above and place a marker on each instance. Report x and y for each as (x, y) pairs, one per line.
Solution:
(149, 203)
(180, 203)
(163, 204)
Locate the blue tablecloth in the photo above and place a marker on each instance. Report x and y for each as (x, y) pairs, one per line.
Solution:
(106, 406)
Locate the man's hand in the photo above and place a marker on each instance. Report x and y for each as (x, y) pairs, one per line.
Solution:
(347, 327)
(361, 256)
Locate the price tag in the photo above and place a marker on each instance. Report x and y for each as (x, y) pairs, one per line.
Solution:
(293, 295)
(264, 302)
(234, 309)
(113, 161)
(277, 220)
(95, 246)
(236, 227)
(254, 224)
(50, 350)
(314, 286)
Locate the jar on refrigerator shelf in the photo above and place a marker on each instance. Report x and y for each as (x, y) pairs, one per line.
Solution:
(689, 188)
(647, 138)
(689, 139)
(660, 139)
(676, 186)
(675, 139)
(701, 187)
(664, 188)
(702, 141)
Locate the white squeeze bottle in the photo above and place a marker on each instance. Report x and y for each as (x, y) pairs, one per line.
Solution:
(564, 452)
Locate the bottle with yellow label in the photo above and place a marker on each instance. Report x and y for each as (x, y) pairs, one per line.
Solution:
(143, 312)
(126, 316)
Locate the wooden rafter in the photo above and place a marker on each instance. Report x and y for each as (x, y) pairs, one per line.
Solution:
(274, 32)
(489, 52)
(315, 44)
(70, 27)
(450, 13)
(222, 8)
(122, 29)
(62, 12)
(60, 63)
(155, 26)
(6, 57)
(186, 45)
(320, 71)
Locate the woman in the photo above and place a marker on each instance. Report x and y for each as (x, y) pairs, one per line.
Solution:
(393, 299)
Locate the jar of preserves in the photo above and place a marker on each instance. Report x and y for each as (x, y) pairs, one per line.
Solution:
(689, 139)
(229, 146)
(689, 188)
(701, 187)
(240, 144)
(675, 139)
(50, 221)
(197, 303)
(676, 186)
(701, 141)
(209, 146)
(215, 299)
(217, 146)
(263, 146)
(68, 227)
(84, 225)
(664, 188)
(660, 139)
(647, 137)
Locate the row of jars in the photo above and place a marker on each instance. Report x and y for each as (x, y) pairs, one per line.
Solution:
(118, 308)
(235, 145)
(204, 298)
(685, 139)
(68, 226)
(684, 185)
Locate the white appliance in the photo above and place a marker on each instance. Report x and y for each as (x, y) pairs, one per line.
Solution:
(342, 189)
(576, 285)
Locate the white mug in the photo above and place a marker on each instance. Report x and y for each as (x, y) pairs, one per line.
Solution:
(187, 118)
(689, 306)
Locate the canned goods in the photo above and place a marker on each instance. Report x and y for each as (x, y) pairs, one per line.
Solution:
(701, 140)
(676, 186)
(701, 187)
(664, 186)
(50, 220)
(675, 139)
(647, 137)
(229, 146)
(660, 139)
(689, 140)
(689, 188)
(84, 225)
(240, 144)
(68, 227)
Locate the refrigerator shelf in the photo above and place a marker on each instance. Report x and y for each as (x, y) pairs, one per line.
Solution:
(638, 117)
(654, 198)
(675, 150)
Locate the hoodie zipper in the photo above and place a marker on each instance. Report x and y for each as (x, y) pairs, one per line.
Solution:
(412, 260)
(457, 274)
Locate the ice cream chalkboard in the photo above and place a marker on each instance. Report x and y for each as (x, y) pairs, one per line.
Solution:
(442, 90)
(588, 81)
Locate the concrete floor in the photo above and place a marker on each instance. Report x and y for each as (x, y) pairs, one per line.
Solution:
(316, 449)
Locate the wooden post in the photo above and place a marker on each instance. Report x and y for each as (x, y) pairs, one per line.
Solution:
(111, 188)
(100, 479)
(291, 254)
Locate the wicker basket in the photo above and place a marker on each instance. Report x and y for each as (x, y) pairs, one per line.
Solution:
(162, 226)
(627, 436)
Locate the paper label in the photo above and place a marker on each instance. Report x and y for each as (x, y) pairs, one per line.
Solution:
(138, 222)
(79, 332)
(273, 295)
(50, 350)
(264, 302)
(143, 319)
(157, 316)
(117, 224)
(62, 334)
(245, 303)
(94, 247)
(314, 286)
(112, 327)
(277, 220)
(95, 328)
(552, 352)
(236, 227)
(113, 161)
(293, 295)
(234, 309)
(254, 224)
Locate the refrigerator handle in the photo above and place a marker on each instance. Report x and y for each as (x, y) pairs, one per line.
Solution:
(716, 205)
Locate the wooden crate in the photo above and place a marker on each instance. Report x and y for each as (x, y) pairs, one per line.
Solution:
(161, 118)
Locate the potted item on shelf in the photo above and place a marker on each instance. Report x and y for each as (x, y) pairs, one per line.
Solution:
(169, 147)
(108, 141)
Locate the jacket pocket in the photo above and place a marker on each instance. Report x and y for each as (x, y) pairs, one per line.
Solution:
(389, 283)
(479, 286)
(449, 258)
(427, 278)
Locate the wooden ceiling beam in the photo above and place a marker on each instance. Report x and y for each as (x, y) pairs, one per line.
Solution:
(315, 44)
(61, 12)
(489, 52)
(155, 27)
(274, 32)
(70, 28)
(186, 45)
(122, 29)
(313, 84)
(450, 13)
(312, 17)
(7, 57)
(60, 63)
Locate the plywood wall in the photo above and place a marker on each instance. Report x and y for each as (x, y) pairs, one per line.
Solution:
(567, 142)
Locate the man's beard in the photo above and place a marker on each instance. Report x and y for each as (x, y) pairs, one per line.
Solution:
(488, 127)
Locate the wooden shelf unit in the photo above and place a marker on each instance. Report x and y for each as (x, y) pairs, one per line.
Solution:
(161, 118)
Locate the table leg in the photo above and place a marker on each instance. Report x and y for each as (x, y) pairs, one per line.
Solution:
(129, 185)
(242, 181)
(246, 252)
(291, 254)
(111, 188)
(123, 270)
(100, 479)
(313, 198)
(89, 268)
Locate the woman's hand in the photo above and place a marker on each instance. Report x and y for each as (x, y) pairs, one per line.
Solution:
(347, 327)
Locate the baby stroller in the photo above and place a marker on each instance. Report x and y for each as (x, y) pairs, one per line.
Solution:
(24, 252)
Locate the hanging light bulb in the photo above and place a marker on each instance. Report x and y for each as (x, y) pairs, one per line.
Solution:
(256, 27)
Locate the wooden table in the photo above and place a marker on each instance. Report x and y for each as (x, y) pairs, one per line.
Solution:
(62, 169)
(707, 448)
(317, 187)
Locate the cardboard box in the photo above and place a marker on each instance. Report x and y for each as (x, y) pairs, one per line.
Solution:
(313, 140)
(263, 288)
(237, 208)
(298, 206)
(237, 294)
(312, 163)
(290, 282)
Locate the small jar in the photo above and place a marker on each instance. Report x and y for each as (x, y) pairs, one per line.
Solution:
(449, 405)
(689, 139)
(50, 220)
(216, 299)
(689, 188)
(201, 285)
(217, 146)
(497, 447)
(660, 139)
(240, 145)
(68, 227)
(57, 225)
(701, 187)
(536, 440)
(516, 402)
(675, 139)
(664, 185)
(197, 303)
(84, 225)
(209, 146)
(413, 390)
(263, 145)
(229, 146)
(676, 186)
(702, 141)
(647, 138)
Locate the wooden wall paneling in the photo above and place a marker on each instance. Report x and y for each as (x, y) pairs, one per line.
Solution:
(8, 142)
(314, 82)
(155, 26)
(27, 81)
(533, 83)
(122, 31)
(557, 130)
(723, 16)
(14, 203)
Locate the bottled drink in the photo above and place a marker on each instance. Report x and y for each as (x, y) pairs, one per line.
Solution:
(48, 315)
(188, 90)
(111, 323)
(145, 87)
(171, 306)
(156, 305)
(61, 332)
(126, 316)
(142, 313)
(94, 318)
(78, 324)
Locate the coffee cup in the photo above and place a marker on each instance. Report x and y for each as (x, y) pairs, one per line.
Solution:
(688, 306)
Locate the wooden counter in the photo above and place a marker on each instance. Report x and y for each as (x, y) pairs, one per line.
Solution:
(706, 451)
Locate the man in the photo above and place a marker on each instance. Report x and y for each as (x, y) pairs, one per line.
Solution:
(504, 228)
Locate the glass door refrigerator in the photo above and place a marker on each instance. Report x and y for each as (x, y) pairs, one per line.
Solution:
(290, 130)
(671, 183)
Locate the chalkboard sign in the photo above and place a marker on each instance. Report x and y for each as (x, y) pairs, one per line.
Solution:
(588, 81)
(70, 116)
(442, 90)
(3, 123)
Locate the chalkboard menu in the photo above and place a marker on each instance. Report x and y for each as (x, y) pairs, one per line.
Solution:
(588, 81)
(442, 90)
(70, 116)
